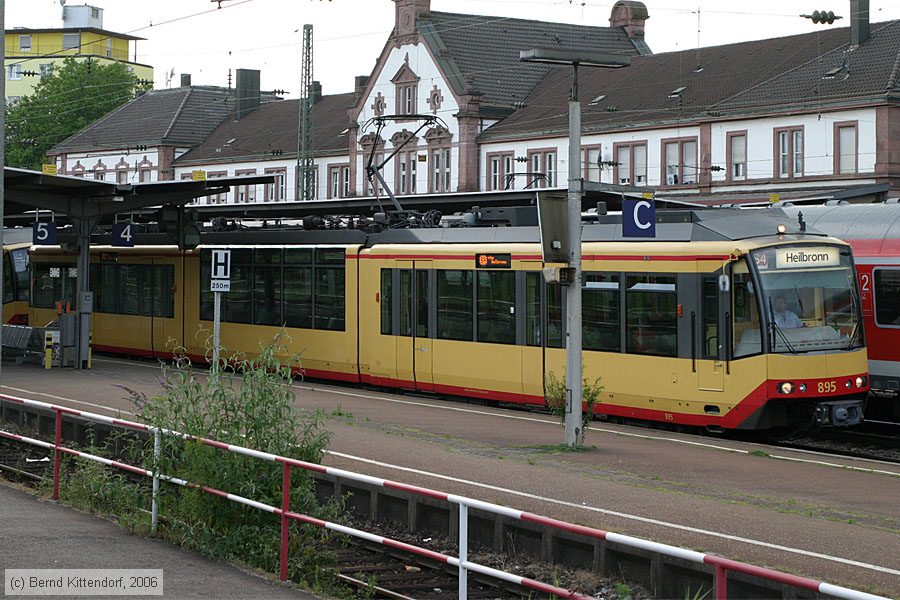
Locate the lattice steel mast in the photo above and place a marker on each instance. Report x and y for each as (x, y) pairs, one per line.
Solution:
(306, 174)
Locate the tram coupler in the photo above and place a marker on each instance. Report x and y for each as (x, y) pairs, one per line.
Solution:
(839, 413)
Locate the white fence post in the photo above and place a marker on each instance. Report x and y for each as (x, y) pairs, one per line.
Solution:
(154, 510)
(463, 550)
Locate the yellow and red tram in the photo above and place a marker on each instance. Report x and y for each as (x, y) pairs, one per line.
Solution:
(688, 329)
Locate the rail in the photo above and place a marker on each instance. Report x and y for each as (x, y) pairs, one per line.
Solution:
(722, 565)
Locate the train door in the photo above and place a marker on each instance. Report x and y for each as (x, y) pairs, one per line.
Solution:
(714, 324)
(158, 284)
(415, 347)
(533, 351)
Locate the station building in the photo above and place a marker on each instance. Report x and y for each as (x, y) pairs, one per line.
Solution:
(803, 116)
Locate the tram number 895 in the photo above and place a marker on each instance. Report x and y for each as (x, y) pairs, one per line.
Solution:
(827, 387)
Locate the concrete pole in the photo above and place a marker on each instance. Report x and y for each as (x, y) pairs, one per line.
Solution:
(573, 294)
(2, 157)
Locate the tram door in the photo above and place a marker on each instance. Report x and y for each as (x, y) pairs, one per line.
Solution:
(414, 342)
(712, 342)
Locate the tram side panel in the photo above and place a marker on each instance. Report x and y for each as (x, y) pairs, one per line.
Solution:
(879, 283)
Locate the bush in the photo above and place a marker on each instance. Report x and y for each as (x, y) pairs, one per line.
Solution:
(555, 396)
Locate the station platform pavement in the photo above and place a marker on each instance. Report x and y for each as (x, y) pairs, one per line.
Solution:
(38, 534)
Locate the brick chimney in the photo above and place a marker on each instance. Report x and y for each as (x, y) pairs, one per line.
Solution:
(859, 22)
(315, 92)
(407, 12)
(630, 16)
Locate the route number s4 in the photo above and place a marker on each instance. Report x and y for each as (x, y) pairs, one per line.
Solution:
(827, 387)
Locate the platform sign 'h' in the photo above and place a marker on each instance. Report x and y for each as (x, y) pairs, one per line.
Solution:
(219, 281)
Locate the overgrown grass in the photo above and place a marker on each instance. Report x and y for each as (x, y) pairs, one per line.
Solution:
(555, 394)
(246, 402)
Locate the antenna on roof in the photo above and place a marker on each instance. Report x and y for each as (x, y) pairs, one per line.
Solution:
(169, 76)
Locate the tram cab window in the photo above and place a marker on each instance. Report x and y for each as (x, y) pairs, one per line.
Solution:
(600, 312)
(9, 292)
(651, 314)
(329, 290)
(387, 302)
(454, 305)
(496, 307)
(53, 283)
(19, 259)
(887, 297)
(533, 309)
(746, 326)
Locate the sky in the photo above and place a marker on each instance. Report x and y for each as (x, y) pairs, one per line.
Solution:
(198, 37)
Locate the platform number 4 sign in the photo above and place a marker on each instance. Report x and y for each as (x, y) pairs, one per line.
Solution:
(220, 271)
(123, 235)
(43, 234)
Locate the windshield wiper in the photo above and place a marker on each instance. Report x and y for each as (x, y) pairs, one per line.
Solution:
(780, 331)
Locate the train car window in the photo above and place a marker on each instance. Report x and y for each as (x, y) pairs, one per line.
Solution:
(298, 256)
(237, 303)
(387, 302)
(298, 296)
(600, 312)
(555, 331)
(329, 256)
(454, 309)
(20, 268)
(496, 307)
(9, 290)
(406, 302)
(47, 289)
(887, 296)
(746, 335)
(107, 289)
(710, 315)
(421, 304)
(267, 256)
(329, 298)
(533, 309)
(651, 315)
(150, 296)
(206, 296)
(267, 292)
(129, 289)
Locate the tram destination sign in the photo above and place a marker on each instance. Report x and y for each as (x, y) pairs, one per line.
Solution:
(220, 271)
(493, 261)
(816, 256)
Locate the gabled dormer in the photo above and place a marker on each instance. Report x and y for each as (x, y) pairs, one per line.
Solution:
(405, 83)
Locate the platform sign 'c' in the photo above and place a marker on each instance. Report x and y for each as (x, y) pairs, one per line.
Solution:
(638, 218)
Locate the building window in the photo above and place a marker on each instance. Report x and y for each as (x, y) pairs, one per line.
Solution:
(680, 161)
(122, 175)
(737, 155)
(631, 164)
(25, 42)
(15, 72)
(245, 193)
(369, 186)
(590, 157)
(144, 173)
(440, 170)
(405, 83)
(11, 100)
(45, 69)
(217, 198)
(275, 192)
(71, 41)
(500, 168)
(339, 181)
(846, 152)
(542, 172)
(789, 152)
(406, 172)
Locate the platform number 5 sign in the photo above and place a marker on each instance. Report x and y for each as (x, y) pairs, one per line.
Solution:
(43, 234)
(123, 235)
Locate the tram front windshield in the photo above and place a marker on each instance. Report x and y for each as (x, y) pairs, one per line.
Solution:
(809, 297)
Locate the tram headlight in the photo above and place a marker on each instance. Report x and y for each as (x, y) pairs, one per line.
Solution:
(786, 387)
(848, 384)
(861, 381)
(782, 228)
(802, 387)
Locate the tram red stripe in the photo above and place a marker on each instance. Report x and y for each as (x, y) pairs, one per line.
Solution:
(641, 257)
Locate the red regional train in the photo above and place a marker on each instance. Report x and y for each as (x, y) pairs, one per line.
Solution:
(873, 231)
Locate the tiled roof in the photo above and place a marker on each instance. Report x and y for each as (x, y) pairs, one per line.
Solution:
(273, 126)
(176, 117)
(742, 77)
(482, 53)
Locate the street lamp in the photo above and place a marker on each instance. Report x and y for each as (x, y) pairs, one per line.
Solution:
(575, 191)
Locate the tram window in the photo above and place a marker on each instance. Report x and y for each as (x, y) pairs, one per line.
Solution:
(329, 299)
(496, 307)
(600, 312)
(267, 292)
(532, 309)
(405, 302)
(746, 333)
(710, 315)
(206, 296)
(298, 295)
(237, 302)
(454, 310)
(887, 296)
(554, 316)
(298, 256)
(20, 267)
(47, 289)
(651, 314)
(421, 304)
(329, 256)
(267, 256)
(107, 289)
(387, 302)
(9, 292)
(129, 289)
